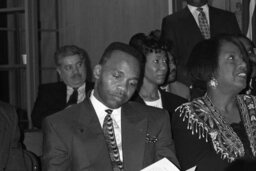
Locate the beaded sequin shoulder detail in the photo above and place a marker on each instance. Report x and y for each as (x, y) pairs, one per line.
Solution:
(204, 121)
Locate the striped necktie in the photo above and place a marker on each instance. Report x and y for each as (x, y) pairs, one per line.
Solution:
(109, 134)
(203, 24)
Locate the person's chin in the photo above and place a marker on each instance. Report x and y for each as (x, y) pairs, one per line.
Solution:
(77, 84)
(241, 85)
(114, 104)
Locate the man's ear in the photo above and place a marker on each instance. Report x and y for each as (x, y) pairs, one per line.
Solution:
(97, 71)
(59, 72)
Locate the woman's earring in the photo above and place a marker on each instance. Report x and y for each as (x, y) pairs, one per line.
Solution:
(213, 83)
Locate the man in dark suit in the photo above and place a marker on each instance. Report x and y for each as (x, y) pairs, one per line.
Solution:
(52, 97)
(11, 153)
(76, 138)
(182, 30)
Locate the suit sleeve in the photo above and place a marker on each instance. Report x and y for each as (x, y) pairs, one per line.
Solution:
(235, 26)
(55, 154)
(16, 159)
(40, 107)
(165, 145)
(168, 35)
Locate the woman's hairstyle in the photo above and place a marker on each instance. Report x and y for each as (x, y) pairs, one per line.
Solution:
(203, 60)
(242, 36)
(148, 43)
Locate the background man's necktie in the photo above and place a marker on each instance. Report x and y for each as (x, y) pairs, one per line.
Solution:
(73, 98)
(203, 24)
(109, 134)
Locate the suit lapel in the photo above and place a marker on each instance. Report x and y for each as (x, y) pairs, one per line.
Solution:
(91, 137)
(134, 127)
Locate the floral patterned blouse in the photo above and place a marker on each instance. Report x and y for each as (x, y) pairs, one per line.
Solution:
(203, 138)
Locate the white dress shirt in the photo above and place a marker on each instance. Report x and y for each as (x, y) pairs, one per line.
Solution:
(100, 108)
(81, 93)
(195, 13)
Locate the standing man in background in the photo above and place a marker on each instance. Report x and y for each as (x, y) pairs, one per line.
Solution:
(71, 62)
(198, 21)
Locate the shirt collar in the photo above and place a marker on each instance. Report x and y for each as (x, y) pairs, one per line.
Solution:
(193, 9)
(80, 89)
(99, 106)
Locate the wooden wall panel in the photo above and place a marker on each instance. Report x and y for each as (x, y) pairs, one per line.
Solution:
(93, 24)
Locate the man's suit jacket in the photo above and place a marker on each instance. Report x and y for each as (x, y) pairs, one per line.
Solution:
(169, 101)
(182, 31)
(74, 139)
(52, 97)
(11, 154)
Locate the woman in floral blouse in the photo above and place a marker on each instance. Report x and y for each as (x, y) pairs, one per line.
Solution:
(216, 129)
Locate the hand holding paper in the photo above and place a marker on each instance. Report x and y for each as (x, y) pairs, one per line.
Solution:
(161, 165)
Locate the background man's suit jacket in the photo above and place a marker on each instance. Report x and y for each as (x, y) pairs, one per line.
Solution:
(74, 139)
(169, 101)
(182, 31)
(11, 154)
(51, 98)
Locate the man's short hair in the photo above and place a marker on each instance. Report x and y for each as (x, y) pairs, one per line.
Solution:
(69, 50)
(121, 47)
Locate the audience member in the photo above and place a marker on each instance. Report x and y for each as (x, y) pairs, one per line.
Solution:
(78, 138)
(11, 153)
(149, 93)
(192, 24)
(250, 48)
(52, 97)
(171, 84)
(219, 126)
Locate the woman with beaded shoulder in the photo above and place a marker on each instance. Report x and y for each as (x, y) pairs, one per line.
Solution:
(213, 130)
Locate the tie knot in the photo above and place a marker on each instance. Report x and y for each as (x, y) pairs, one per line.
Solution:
(109, 111)
(200, 9)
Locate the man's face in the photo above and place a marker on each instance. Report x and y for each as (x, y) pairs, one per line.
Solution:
(172, 69)
(117, 79)
(196, 3)
(72, 70)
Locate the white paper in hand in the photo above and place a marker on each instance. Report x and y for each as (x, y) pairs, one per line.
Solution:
(161, 165)
(192, 169)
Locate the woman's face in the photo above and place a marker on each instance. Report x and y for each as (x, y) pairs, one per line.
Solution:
(156, 67)
(232, 69)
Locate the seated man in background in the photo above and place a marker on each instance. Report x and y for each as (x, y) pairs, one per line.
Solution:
(11, 153)
(52, 97)
(106, 131)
